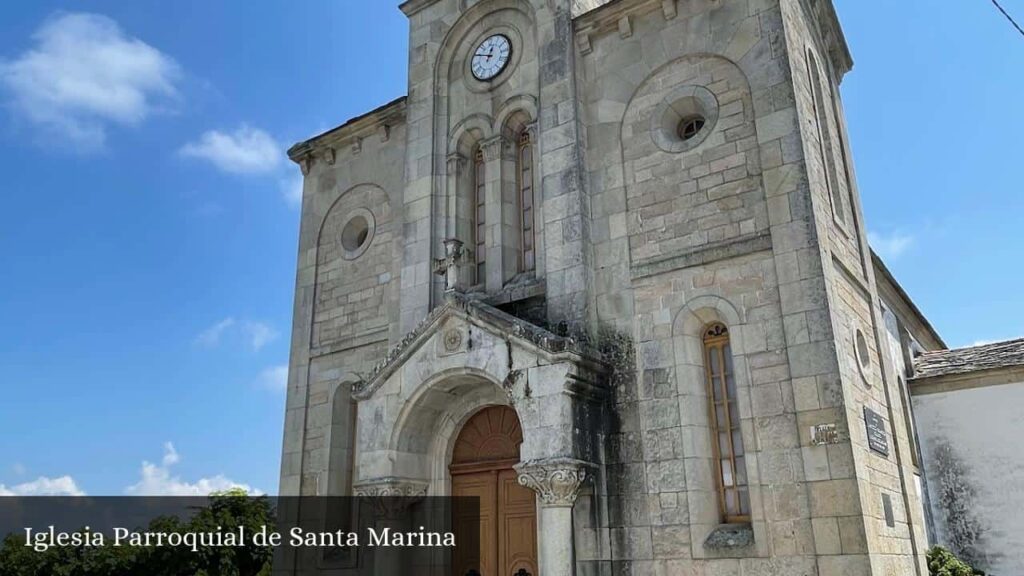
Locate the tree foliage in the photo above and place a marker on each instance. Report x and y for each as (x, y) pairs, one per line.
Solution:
(227, 510)
(942, 562)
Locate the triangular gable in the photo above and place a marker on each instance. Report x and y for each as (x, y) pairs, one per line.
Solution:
(498, 323)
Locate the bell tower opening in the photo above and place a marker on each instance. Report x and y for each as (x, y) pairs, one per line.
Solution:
(485, 451)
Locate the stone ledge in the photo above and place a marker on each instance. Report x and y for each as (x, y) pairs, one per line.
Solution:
(732, 248)
(519, 288)
(730, 537)
(368, 336)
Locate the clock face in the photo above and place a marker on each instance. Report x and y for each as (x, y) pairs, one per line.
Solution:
(491, 57)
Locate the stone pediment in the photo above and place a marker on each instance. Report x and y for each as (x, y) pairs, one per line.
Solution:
(497, 323)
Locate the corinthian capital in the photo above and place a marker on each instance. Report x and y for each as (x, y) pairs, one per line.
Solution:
(557, 481)
(391, 496)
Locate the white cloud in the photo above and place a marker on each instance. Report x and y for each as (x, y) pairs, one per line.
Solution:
(247, 150)
(291, 190)
(159, 481)
(275, 378)
(43, 486)
(84, 74)
(211, 337)
(892, 245)
(259, 334)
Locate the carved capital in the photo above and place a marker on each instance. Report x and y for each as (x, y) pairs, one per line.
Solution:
(305, 164)
(557, 481)
(531, 130)
(391, 497)
(456, 163)
(492, 147)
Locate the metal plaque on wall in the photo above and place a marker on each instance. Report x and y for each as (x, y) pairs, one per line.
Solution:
(878, 440)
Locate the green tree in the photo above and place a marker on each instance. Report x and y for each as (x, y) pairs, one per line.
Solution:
(226, 510)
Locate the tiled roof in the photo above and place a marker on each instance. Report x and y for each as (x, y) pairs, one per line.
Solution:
(973, 359)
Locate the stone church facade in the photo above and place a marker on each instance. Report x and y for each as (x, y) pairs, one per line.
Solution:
(605, 266)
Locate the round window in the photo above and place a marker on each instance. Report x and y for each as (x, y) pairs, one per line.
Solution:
(685, 118)
(863, 355)
(690, 126)
(357, 233)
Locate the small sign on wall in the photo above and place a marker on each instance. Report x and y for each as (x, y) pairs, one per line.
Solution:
(824, 434)
(890, 519)
(878, 439)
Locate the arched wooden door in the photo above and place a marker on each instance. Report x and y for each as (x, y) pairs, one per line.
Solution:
(485, 451)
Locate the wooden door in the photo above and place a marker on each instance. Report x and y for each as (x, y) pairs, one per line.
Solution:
(485, 452)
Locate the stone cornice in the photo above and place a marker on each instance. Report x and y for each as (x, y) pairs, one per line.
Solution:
(605, 18)
(702, 255)
(553, 347)
(835, 40)
(378, 122)
(1011, 375)
(411, 7)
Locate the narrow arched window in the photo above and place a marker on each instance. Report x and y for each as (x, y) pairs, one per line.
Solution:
(733, 492)
(525, 185)
(825, 143)
(479, 216)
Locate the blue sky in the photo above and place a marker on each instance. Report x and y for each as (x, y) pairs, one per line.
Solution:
(148, 222)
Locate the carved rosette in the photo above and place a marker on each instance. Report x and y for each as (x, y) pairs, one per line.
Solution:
(391, 496)
(557, 481)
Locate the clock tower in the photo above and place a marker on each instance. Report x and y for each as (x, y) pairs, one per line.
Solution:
(605, 267)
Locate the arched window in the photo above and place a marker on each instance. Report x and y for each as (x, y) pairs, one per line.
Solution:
(733, 493)
(479, 216)
(524, 161)
(825, 143)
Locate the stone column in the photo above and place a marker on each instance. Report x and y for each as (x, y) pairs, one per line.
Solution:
(494, 150)
(557, 482)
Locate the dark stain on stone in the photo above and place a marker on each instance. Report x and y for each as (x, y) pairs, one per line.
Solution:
(956, 492)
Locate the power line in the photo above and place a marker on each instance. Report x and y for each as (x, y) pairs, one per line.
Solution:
(1010, 18)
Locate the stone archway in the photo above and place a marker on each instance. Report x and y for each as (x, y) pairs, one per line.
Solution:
(483, 460)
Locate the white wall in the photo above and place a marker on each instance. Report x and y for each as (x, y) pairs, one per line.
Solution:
(973, 449)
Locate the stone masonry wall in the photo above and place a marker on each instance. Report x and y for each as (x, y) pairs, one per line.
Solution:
(683, 238)
(854, 304)
(345, 311)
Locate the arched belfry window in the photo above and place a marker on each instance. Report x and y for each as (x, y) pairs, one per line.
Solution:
(479, 216)
(524, 161)
(730, 467)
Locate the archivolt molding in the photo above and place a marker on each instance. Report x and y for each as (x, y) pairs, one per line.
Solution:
(460, 33)
(524, 103)
(703, 310)
(470, 130)
(352, 189)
